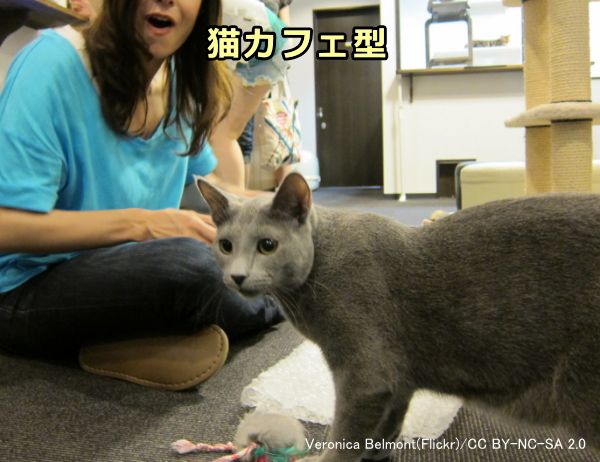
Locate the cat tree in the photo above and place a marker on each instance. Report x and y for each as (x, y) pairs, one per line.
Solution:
(559, 112)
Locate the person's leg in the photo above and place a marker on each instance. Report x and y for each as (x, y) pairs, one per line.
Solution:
(281, 173)
(246, 140)
(224, 139)
(163, 286)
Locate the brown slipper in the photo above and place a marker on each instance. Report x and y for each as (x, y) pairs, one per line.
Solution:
(175, 362)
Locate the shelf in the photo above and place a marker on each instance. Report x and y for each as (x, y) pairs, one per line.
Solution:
(410, 73)
(37, 14)
(546, 114)
(461, 70)
(43, 14)
(520, 2)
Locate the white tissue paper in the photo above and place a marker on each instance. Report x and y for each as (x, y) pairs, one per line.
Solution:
(301, 386)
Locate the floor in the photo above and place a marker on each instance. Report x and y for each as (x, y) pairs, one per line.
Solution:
(410, 212)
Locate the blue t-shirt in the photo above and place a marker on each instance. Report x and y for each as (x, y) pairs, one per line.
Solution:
(57, 152)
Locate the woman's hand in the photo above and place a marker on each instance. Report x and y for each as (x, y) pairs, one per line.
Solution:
(159, 224)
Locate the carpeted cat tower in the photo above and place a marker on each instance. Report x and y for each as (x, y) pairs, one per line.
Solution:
(559, 112)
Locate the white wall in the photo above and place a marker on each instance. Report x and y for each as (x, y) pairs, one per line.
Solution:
(462, 116)
(458, 117)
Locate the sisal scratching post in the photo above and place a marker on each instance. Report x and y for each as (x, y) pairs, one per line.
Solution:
(538, 159)
(559, 113)
(572, 156)
(569, 50)
(570, 82)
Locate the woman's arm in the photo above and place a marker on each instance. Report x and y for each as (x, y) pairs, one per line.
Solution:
(284, 15)
(224, 139)
(64, 231)
(86, 8)
(231, 188)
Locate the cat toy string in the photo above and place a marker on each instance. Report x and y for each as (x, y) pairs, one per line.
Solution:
(251, 453)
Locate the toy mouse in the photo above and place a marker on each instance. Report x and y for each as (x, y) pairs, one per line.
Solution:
(260, 437)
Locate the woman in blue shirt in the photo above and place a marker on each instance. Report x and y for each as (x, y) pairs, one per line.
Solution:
(99, 134)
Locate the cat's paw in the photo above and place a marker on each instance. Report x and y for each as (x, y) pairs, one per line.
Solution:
(435, 216)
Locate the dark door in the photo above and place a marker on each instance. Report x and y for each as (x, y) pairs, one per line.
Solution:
(348, 104)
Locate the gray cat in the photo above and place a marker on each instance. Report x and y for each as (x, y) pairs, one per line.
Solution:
(498, 304)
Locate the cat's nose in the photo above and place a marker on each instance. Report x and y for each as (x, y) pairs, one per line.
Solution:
(238, 279)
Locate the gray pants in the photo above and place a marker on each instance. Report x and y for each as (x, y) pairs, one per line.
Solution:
(163, 286)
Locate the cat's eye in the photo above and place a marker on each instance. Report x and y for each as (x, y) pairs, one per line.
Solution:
(267, 246)
(225, 246)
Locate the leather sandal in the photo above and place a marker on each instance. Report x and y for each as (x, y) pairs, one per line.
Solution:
(175, 362)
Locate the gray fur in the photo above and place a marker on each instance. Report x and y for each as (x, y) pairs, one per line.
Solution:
(499, 304)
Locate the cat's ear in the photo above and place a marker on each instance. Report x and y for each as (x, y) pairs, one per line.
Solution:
(293, 198)
(216, 200)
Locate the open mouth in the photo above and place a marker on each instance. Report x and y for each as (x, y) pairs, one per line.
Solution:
(160, 21)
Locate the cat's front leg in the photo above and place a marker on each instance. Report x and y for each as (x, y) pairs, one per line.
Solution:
(365, 413)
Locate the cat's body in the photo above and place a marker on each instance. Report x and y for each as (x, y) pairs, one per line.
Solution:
(499, 304)
(499, 42)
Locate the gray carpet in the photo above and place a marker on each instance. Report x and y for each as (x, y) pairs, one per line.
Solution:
(54, 412)
(476, 436)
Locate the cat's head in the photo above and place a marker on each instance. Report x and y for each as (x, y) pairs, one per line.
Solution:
(264, 244)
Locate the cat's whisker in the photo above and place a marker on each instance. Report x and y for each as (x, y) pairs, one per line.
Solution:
(312, 289)
(216, 297)
(315, 283)
(286, 305)
(289, 304)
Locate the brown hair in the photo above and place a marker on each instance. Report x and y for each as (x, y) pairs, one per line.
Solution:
(199, 90)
